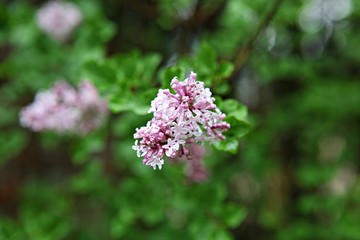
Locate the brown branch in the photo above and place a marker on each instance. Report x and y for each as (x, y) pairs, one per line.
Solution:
(146, 9)
(203, 14)
(244, 53)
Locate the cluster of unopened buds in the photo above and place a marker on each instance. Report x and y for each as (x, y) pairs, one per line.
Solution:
(181, 120)
(64, 109)
(59, 19)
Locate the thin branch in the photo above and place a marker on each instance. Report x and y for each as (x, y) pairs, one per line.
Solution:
(203, 14)
(244, 53)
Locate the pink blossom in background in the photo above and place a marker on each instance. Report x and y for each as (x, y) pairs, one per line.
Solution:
(195, 169)
(63, 109)
(188, 116)
(59, 19)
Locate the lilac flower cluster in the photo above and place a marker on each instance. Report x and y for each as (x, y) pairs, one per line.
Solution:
(59, 19)
(186, 117)
(63, 109)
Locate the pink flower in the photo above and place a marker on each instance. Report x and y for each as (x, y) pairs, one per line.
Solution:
(195, 169)
(59, 19)
(65, 109)
(188, 116)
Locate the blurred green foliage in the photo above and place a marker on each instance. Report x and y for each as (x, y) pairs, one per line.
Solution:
(293, 174)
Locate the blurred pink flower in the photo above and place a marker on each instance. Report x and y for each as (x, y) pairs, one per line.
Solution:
(195, 169)
(188, 116)
(59, 19)
(64, 109)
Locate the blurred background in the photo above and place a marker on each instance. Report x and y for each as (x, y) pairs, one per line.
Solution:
(294, 64)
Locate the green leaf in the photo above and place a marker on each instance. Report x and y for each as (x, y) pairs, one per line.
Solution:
(233, 215)
(11, 143)
(150, 63)
(207, 58)
(221, 234)
(138, 104)
(238, 128)
(313, 175)
(225, 69)
(228, 145)
(130, 64)
(169, 73)
(222, 88)
(236, 114)
(125, 105)
(121, 223)
(231, 107)
(102, 74)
